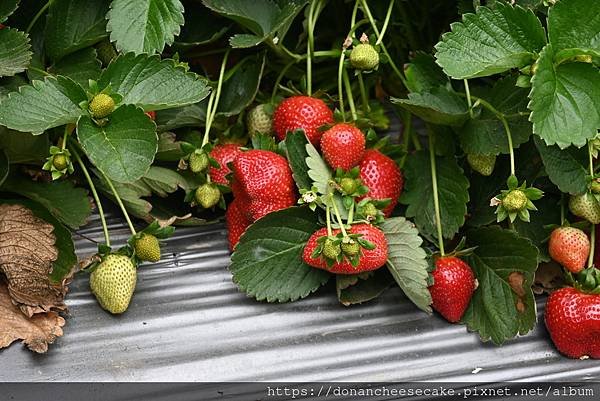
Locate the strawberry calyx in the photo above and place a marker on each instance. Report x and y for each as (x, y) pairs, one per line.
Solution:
(516, 201)
(587, 281)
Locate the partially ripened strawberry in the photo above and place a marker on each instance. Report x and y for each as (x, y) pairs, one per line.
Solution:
(343, 146)
(301, 112)
(370, 259)
(585, 206)
(265, 180)
(453, 287)
(573, 321)
(260, 120)
(237, 222)
(570, 247)
(223, 154)
(383, 177)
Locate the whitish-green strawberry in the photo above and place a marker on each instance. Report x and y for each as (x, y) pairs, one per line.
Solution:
(260, 120)
(482, 163)
(101, 105)
(113, 283)
(364, 57)
(515, 200)
(60, 161)
(208, 195)
(147, 248)
(585, 206)
(198, 161)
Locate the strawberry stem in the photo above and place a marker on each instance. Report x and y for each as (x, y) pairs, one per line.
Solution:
(350, 96)
(314, 10)
(363, 93)
(436, 200)
(385, 23)
(94, 193)
(65, 137)
(213, 101)
(395, 68)
(337, 215)
(328, 219)
(120, 202)
(469, 101)
(38, 15)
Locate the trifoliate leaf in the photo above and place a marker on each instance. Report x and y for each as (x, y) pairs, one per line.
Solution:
(124, 148)
(438, 106)
(564, 101)
(42, 105)
(490, 42)
(144, 26)
(504, 264)
(15, 52)
(407, 261)
(267, 262)
(73, 25)
(418, 194)
(152, 84)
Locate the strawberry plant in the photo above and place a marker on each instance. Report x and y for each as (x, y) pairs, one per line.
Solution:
(446, 148)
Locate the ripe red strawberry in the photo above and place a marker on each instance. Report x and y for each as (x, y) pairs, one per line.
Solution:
(369, 260)
(453, 287)
(301, 112)
(237, 222)
(343, 146)
(570, 247)
(383, 177)
(573, 321)
(264, 179)
(152, 115)
(223, 154)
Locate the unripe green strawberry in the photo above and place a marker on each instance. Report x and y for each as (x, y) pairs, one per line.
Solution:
(260, 120)
(364, 57)
(113, 283)
(101, 105)
(349, 185)
(515, 200)
(198, 162)
(106, 52)
(370, 210)
(585, 206)
(595, 187)
(351, 248)
(208, 195)
(60, 161)
(147, 248)
(482, 163)
(331, 250)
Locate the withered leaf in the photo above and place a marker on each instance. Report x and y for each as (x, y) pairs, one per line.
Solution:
(548, 277)
(36, 332)
(26, 254)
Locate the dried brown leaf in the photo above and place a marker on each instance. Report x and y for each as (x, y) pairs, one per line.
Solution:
(36, 332)
(548, 277)
(26, 254)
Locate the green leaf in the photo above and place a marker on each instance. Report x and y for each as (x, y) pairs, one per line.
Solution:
(152, 84)
(144, 26)
(163, 181)
(407, 261)
(206, 27)
(363, 290)
(124, 148)
(564, 101)
(193, 115)
(537, 230)
(4, 166)
(69, 204)
(73, 25)
(565, 168)
(7, 7)
(423, 74)
(15, 52)
(438, 106)
(267, 262)
(80, 66)
(295, 146)
(43, 105)
(23, 147)
(264, 18)
(485, 134)
(573, 27)
(490, 42)
(504, 264)
(418, 194)
(241, 88)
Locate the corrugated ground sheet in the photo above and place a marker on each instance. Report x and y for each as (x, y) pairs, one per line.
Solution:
(188, 322)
